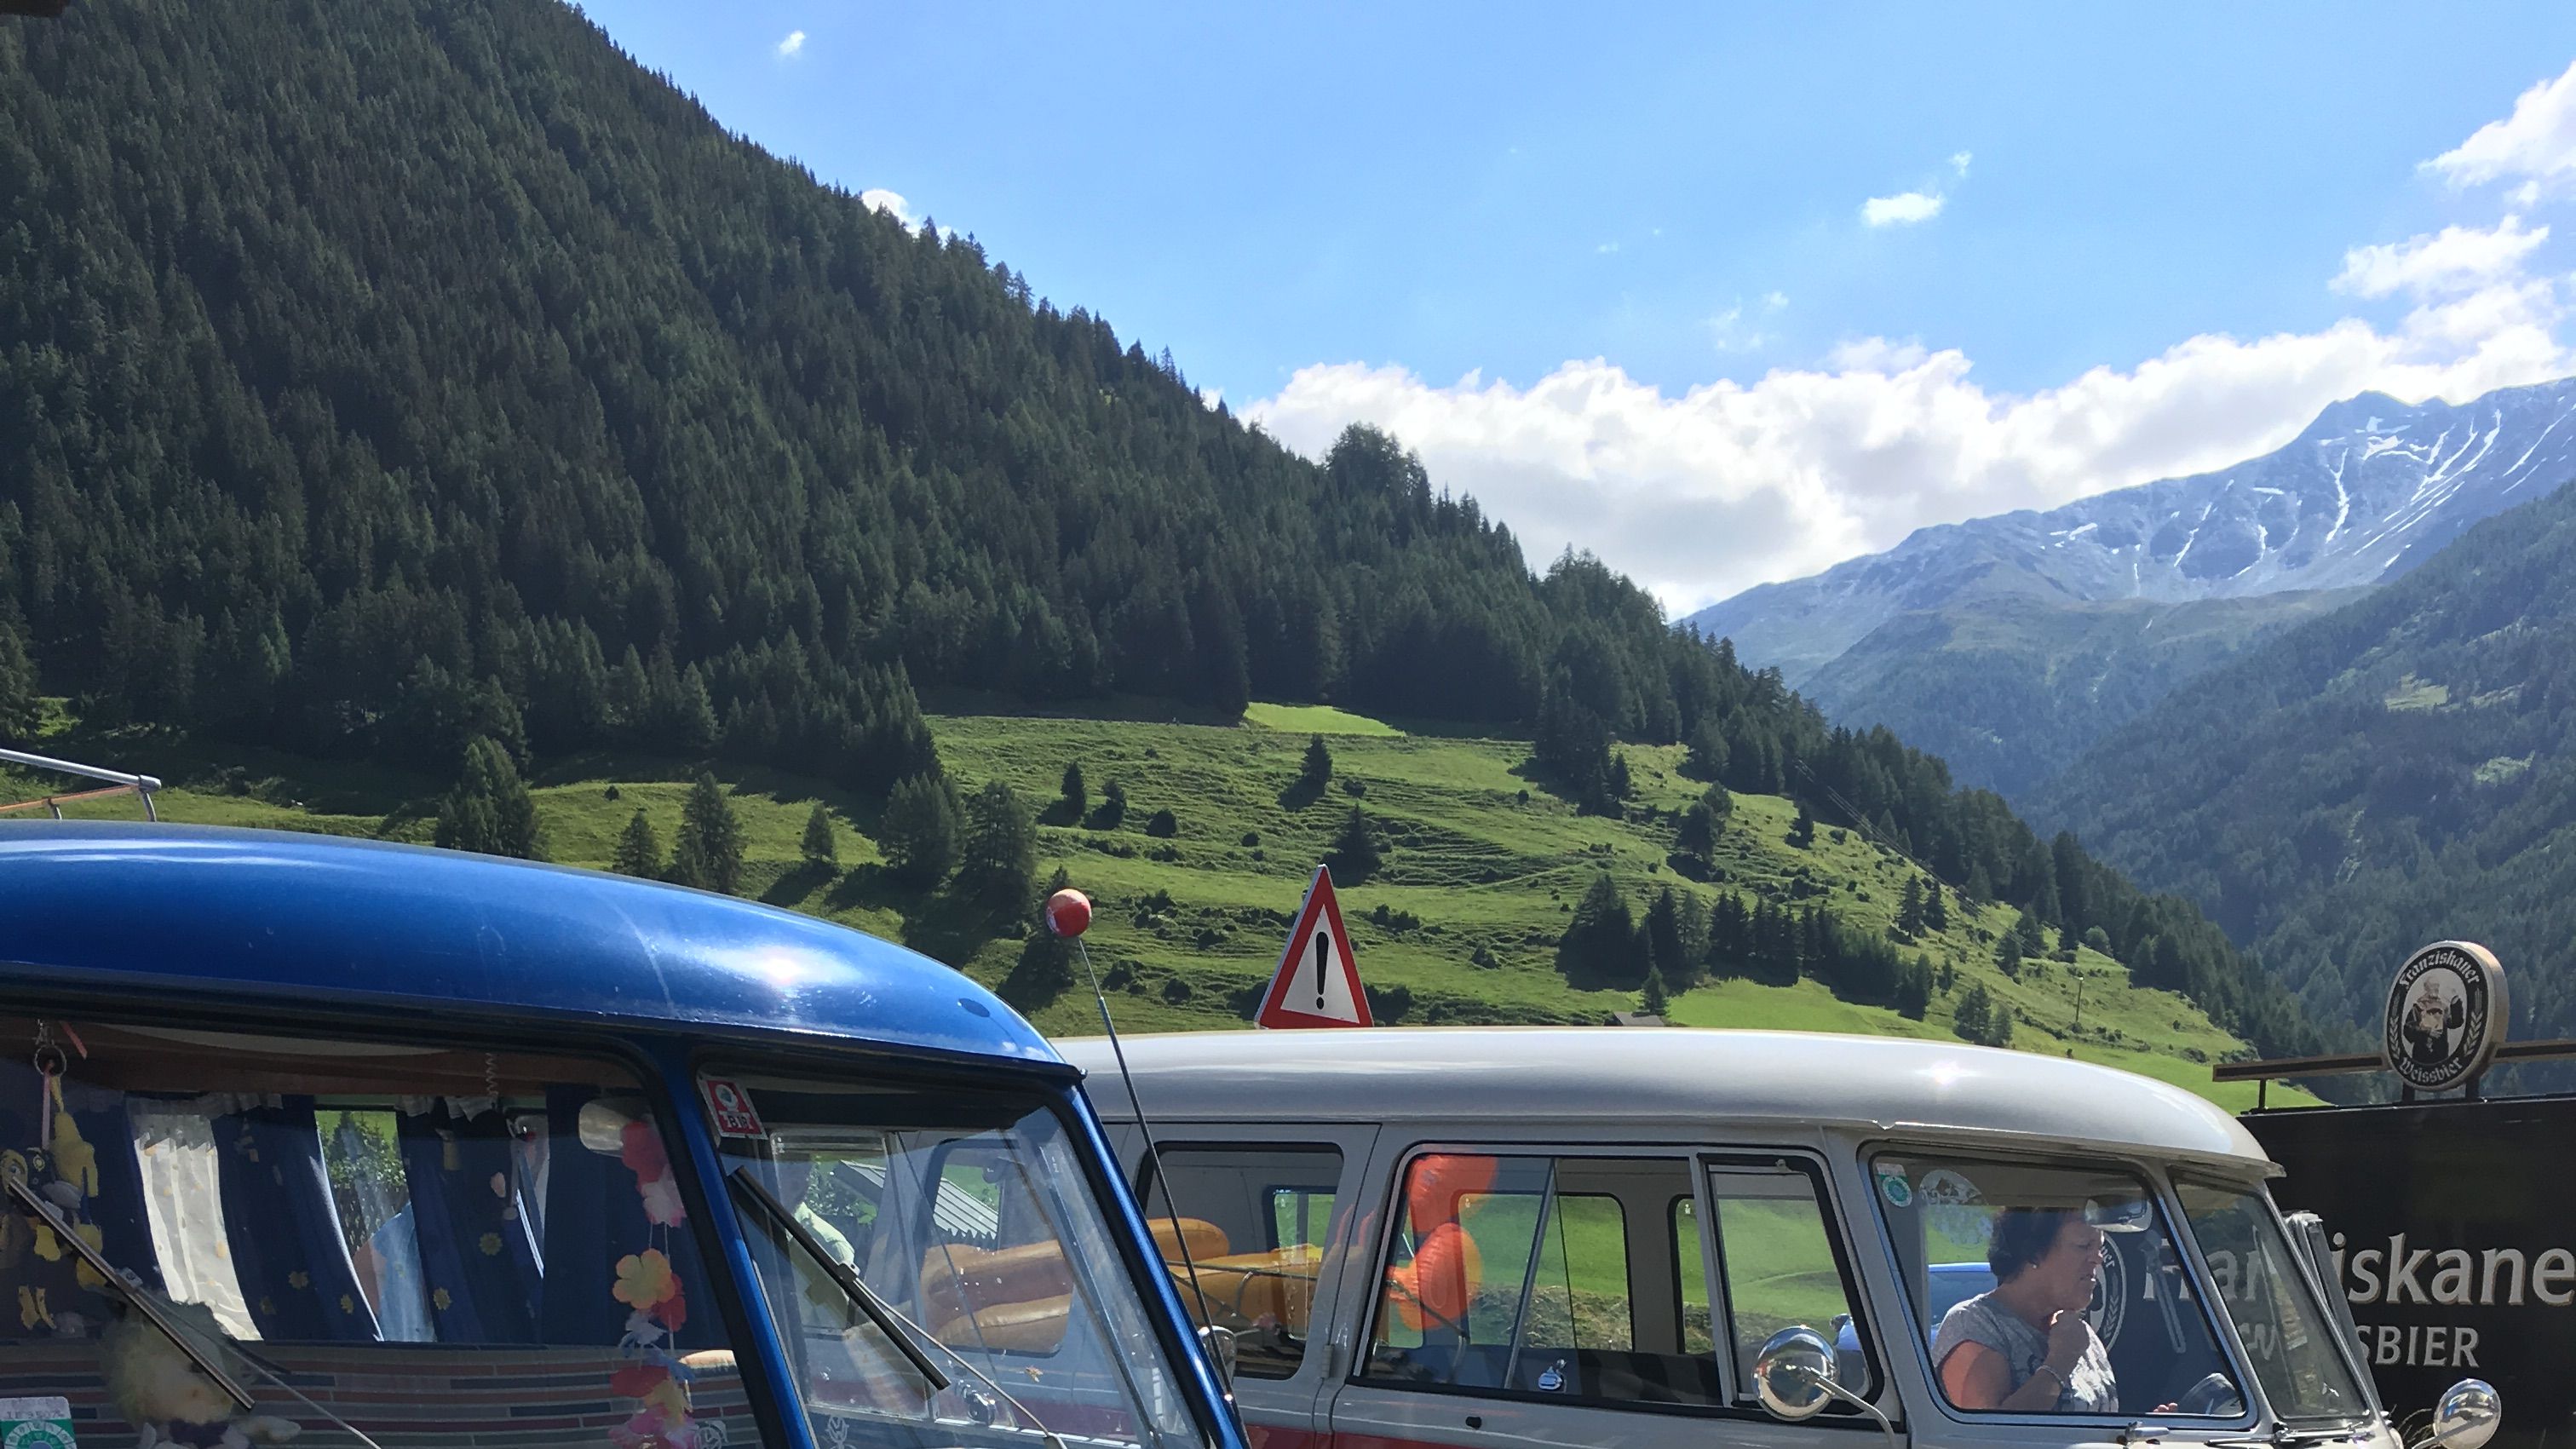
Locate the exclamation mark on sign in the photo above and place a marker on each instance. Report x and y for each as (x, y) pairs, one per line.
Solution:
(1323, 943)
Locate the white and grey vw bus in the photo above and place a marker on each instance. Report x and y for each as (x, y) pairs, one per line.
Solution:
(1630, 1239)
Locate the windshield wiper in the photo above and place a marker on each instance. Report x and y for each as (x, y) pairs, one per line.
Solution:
(907, 1336)
(143, 1301)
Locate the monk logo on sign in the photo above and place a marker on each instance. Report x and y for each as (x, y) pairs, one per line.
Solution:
(2446, 1015)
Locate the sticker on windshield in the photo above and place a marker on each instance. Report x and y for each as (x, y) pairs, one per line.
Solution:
(1955, 1207)
(732, 1108)
(1893, 1187)
(35, 1424)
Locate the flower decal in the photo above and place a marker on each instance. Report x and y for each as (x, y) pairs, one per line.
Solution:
(490, 1244)
(645, 1280)
(662, 1203)
(299, 1280)
(441, 1300)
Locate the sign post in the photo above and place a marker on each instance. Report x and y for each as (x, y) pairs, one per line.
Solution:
(1318, 981)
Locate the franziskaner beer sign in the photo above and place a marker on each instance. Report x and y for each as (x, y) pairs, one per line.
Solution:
(2446, 1015)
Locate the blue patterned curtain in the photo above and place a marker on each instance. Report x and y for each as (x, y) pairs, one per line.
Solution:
(102, 1160)
(283, 1229)
(595, 1216)
(478, 1263)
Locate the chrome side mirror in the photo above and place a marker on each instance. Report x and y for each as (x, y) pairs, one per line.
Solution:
(1219, 1343)
(2467, 1416)
(1793, 1375)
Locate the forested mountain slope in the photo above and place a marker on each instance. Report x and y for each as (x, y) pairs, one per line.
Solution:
(2010, 687)
(378, 376)
(2401, 770)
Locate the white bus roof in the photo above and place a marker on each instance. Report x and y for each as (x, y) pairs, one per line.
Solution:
(1648, 1076)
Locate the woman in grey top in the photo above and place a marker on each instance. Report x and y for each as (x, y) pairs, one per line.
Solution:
(2026, 1345)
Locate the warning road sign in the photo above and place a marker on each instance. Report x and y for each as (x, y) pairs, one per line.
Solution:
(1319, 981)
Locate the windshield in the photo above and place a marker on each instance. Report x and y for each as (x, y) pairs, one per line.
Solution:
(2285, 1331)
(2051, 1289)
(974, 1290)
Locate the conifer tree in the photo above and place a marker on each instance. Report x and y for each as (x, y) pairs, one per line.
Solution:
(1355, 854)
(1665, 958)
(1802, 831)
(1317, 771)
(821, 845)
(1073, 798)
(1696, 835)
(18, 699)
(490, 810)
(1909, 912)
(1652, 1001)
(708, 851)
(1599, 947)
(920, 829)
(1936, 908)
(639, 850)
(997, 853)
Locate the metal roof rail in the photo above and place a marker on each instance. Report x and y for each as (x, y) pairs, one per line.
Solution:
(119, 782)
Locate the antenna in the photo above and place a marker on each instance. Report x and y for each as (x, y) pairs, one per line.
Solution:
(1068, 915)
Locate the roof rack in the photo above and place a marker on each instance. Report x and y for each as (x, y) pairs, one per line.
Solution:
(119, 783)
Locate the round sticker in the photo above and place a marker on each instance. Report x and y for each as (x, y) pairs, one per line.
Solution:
(1898, 1192)
(2446, 1015)
(37, 1434)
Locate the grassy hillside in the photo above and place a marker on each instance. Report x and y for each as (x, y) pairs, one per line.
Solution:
(1480, 866)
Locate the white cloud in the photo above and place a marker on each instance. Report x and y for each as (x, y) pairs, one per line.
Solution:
(794, 42)
(2538, 141)
(892, 204)
(1903, 209)
(1728, 485)
(1607, 247)
(2454, 259)
(1959, 161)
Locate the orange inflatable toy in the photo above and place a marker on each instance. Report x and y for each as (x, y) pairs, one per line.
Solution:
(1433, 1188)
(1435, 1289)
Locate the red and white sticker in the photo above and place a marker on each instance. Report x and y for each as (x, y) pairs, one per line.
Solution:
(731, 1107)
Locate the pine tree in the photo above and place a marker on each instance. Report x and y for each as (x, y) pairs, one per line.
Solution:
(1073, 798)
(1665, 957)
(1355, 854)
(1652, 1000)
(1936, 908)
(1696, 835)
(2008, 954)
(19, 709)
(1599, 947)
(1621, 787)
(920, 829)
(708, 850)
(1914, 990)
(1802, 831)
(1719, 802)
(1706, 758)
(997, 855)
(639, 850)
(1113, 807)
(821, 846)
(1318, 768)
(1909, 913)
(490, 810)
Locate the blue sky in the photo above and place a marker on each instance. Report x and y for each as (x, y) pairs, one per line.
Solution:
(1610, 269)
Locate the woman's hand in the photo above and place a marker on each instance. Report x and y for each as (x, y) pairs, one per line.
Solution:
(2068, 1337)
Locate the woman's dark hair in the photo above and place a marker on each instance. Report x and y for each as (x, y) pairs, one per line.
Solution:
(2022, 1237)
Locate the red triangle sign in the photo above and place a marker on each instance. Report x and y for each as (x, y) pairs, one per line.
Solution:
(1318, 982)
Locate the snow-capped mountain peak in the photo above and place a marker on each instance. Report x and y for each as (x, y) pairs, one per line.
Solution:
(2370, 488)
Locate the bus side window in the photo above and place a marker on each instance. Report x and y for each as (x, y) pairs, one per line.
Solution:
(1547, 1277)
(1257, 1222)
(1775, 1247)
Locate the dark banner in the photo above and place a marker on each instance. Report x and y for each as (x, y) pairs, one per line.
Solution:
(2454, 1229)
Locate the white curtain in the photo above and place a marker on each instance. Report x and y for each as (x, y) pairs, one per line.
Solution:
(183, 1197)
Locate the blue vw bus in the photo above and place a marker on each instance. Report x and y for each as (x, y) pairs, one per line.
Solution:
(376, 1147)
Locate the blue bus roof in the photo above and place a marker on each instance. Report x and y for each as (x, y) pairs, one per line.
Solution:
(258, 916)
